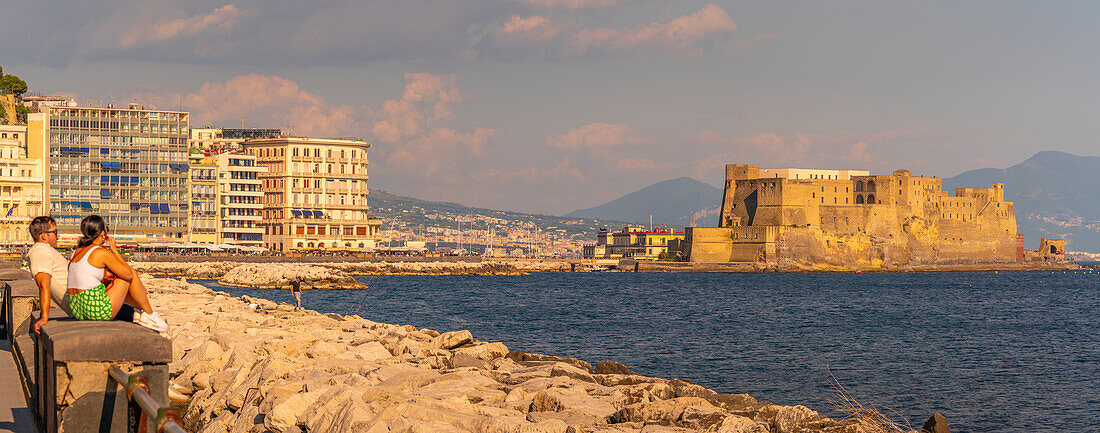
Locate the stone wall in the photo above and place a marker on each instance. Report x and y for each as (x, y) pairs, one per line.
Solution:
(864, 222)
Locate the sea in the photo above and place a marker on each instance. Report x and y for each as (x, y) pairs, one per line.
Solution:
(991, 351)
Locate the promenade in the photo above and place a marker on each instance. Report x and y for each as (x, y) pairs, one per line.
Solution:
(15, 417)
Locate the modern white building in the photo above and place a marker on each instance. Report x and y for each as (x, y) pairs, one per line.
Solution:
(810, 173)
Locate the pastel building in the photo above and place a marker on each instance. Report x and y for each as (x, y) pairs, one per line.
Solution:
(128, 165)
(240, 199)
(21, 186)
(632, 241)
(315, 194)
(202, 225)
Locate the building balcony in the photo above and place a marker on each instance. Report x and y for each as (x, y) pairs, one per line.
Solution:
(253, 230)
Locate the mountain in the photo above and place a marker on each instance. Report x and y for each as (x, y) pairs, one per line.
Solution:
(670, 202)
(1057, 195)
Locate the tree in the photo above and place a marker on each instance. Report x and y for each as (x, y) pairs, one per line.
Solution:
(13, 84)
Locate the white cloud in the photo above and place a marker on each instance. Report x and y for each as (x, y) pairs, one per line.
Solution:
(597, 138)
(685, 34)
(220, 20)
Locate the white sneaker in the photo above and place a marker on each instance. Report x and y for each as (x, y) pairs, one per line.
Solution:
(152, 321)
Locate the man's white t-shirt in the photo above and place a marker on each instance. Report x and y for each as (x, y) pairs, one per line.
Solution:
(44, 258)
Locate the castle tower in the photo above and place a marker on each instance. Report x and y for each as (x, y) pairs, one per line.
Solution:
(734, 173)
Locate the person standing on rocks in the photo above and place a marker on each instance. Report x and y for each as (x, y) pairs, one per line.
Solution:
(296, 290)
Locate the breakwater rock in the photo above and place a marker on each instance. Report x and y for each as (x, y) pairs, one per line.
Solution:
(269, 275)
(255, 365)
(201, 270)
(215, 270)
(450, 268)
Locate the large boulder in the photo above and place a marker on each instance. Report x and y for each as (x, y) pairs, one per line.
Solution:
(937, 423)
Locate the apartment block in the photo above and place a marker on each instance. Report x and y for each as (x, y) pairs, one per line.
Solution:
(202, 224)
(21, 186)
(128, 165)
(315, 194)
(240, 199)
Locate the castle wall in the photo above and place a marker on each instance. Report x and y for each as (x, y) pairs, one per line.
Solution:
(883, 220)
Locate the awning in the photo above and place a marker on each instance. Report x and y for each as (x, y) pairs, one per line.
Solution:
(104, 179)
(318, 214)
(297, 213)
(104, 192)
(104, 151)
(135, 206)
(114, 179)
(85, 205)
(164, 208)
(153, 208)
(183, 205)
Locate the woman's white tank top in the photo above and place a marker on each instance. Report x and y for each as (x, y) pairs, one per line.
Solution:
(82, 275)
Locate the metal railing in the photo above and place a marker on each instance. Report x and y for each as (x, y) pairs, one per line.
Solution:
(167, 419)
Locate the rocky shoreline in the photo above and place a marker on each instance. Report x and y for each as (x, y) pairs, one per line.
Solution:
(254, 365)
(337, 275)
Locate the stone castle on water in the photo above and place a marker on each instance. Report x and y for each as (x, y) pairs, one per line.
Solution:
(849, 218)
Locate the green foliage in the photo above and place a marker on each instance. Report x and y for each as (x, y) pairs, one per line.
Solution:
(3, 115)
(21, 114)
(13, 84)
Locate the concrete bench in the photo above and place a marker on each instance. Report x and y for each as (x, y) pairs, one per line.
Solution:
(74, 392)
(20, 298)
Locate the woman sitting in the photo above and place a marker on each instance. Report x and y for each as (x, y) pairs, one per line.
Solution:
(93, 298)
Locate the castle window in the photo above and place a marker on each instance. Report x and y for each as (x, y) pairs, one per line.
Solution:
(859, 199)
(859, 186)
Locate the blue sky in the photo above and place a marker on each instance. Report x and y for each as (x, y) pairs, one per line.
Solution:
(553, 105)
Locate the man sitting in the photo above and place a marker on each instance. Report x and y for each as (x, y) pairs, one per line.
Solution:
(51, 271)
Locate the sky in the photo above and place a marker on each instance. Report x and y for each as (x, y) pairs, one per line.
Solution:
(548, 106)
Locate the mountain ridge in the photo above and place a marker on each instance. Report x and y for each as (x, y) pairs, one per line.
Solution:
(1055, 195)
(671, 202)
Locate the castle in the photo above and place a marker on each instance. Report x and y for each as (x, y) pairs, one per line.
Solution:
(849, 218)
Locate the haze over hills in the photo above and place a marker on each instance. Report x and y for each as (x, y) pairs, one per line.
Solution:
(1057, 195)
(407, 218)
(670, 202)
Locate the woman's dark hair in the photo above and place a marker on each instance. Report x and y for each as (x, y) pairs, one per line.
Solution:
(90, 227)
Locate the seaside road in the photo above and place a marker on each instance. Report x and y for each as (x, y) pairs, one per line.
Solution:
(15, 417)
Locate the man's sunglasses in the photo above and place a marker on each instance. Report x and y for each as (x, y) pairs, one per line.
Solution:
(50, 231)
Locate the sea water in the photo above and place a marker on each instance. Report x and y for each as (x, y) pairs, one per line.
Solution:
(993, 352)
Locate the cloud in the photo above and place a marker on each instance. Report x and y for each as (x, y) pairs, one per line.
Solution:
(837, 150)
(686, 34)
(148, 33)
(596, 138)
(265, 100)
(644, 164)
(570, 4)
(534, 28)
(530, 174)
(425, 102)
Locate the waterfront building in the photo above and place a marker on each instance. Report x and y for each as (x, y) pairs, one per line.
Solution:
(217, 140)
(632, 241)
(853, 219)
(21, 186)
(202, 222)
(315, 194)
(128, 165)
(240, 199)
